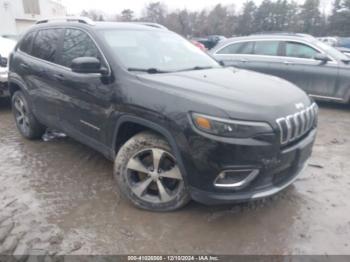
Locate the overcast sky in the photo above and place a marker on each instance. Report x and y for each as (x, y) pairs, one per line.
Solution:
(116, 6)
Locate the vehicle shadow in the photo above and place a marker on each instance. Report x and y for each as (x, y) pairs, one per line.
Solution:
(5, 103)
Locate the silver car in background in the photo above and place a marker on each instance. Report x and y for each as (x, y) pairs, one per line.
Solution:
(320, 70)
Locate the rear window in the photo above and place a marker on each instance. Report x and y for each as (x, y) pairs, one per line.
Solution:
(237, 48)
(46, 43)
(26, 43)
(269, 48)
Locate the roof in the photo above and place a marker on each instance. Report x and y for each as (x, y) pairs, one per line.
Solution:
(87, 22)
(276, 36)
(279, 36)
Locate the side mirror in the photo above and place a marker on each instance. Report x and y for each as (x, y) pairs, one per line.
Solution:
(3, 61)
(321, 57)
(87, 65)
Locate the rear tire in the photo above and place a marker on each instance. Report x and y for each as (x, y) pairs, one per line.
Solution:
(26, 123)
(148, 175)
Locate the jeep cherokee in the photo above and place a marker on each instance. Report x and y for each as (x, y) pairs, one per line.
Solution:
(177, 125)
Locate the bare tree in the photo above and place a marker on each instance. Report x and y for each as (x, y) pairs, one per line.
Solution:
(127, 15)
(155, 12)
(270, 15)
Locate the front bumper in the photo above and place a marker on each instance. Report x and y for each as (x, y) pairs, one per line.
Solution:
(283, 169)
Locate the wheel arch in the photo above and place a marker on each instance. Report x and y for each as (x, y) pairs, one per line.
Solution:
(15, 84)
(128, 126)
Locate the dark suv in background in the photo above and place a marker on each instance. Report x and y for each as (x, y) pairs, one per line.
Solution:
(176, 124)
(319, 69)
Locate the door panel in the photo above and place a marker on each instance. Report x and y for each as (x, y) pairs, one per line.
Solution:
(312, 76)
(343, 88)
(265, 58)
(40, 67)
(85, 99)
(85, 103)
(43, 91)
(265, 64)
(239, 61)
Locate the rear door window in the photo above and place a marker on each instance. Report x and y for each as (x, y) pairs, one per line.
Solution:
(76, 44)
(299, 50)
(46, 44)
(237, 48)
(26, 43)
(269, 48)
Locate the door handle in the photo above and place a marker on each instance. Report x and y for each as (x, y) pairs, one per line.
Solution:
(243, 60)
(287, 63)
(59, 77)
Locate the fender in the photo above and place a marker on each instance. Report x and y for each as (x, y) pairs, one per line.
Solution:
(17, 81)
(153, 126)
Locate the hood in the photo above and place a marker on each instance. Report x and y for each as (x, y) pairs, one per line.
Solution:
(241, 94)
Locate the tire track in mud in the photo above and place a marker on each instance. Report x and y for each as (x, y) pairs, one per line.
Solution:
(24, 228)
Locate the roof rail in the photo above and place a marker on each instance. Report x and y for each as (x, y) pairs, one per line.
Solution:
(155, 25)
(282, 33)
(79, 19)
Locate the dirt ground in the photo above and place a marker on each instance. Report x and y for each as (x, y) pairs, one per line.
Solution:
(59, 197)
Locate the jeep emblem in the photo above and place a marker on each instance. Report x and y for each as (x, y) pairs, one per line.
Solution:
(300, 106)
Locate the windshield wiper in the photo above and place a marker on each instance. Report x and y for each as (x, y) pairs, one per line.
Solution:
(195, 68)
(148, 70)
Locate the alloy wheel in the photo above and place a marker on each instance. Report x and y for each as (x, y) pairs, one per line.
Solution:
(154, 176)
(21, 114)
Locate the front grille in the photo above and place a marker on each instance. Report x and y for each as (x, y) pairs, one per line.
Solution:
(295, 126)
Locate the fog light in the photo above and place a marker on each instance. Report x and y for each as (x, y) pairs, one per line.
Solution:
(236, 179)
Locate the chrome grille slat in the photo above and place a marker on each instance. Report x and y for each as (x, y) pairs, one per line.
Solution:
(303, 121)
(312, 114)
(294, 126)
(289, 127)
(308, 117)
(299, 127)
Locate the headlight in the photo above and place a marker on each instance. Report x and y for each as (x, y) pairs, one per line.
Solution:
(229, 128)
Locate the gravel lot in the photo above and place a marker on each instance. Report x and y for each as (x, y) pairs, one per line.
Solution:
(59, 197)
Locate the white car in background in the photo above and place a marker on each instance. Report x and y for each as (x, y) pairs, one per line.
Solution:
(332, 41)
(6, 47)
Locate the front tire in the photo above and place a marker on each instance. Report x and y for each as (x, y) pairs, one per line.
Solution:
(26, 123)
(148, 175)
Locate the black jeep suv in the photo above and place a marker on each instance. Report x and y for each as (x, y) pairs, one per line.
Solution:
(176, 123)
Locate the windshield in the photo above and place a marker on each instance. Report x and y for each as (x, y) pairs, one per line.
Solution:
(159, 50)
(332, 51)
